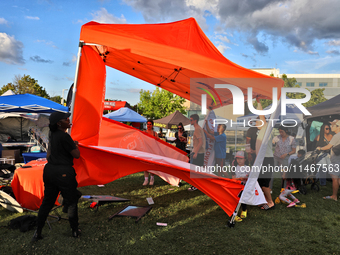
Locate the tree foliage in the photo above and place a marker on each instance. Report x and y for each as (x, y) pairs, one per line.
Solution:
(57, 99)
(317, 95)
(25, 84)
(159, 103)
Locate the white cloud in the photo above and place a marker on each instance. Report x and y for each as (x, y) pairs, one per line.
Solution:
(69, 78)
(33, 18)
(313, 53)
(299, 23)
(48, 43)
(222, 48)
(223, 38)
(333, 52)
(165, 11)
(334, 43)
(73, 60)
(11, 50)
(134, 90)
(312, 65)
(3, 21)
(103, 16)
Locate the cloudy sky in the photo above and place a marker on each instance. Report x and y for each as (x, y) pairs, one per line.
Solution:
(40, 37)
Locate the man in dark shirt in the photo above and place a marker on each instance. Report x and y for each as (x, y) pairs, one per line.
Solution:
(251, 137)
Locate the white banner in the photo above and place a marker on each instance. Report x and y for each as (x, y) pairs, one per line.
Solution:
(209, 156)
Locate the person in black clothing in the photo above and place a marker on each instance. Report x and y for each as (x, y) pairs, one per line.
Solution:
(322, 140)
(251, 137)
(59, 174)
(181, 137)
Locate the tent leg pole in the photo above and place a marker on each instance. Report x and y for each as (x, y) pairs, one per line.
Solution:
(81, 44)
(231, 223)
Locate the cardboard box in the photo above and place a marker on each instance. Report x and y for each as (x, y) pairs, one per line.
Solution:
(12, 154)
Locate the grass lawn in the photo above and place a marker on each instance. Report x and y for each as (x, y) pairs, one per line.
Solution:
(196, 225)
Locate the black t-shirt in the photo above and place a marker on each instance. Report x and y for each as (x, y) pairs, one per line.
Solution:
(181, 145)
(61, 145)
(252, 133)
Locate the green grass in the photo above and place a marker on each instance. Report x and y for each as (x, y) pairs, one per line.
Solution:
(196, 225)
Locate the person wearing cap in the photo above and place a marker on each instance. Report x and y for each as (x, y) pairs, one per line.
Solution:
(59, 174)
(333, 169)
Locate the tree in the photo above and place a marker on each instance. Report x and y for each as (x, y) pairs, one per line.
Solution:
(317, 95)
(57, 99)
(8, 86)
(25, 84)
(159, 103)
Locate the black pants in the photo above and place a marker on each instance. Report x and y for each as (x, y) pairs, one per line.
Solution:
(58, 178)
(199, 160)
(265, 177)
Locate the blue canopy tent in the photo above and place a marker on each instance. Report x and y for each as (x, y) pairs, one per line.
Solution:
(125, 114)
(29, 103)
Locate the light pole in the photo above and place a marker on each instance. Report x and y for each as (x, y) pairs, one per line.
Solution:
(62, 97)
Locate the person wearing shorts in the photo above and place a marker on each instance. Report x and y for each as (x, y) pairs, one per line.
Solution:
(268, 161)
(333, 169)
(197, 154)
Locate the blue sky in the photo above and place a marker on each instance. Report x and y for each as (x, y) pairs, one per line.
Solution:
(40, 38)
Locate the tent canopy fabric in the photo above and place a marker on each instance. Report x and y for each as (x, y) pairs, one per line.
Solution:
(8, 93)
(171, 121)
(125, 114)
(329, 107)
(174, 56)
(29, 103)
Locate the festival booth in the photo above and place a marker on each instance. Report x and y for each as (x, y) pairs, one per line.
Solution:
(125, 115)
(30, 104)
(23, 120)
(170, 56)
(171, 121)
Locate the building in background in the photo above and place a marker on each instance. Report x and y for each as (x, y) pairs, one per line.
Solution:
(329, 82)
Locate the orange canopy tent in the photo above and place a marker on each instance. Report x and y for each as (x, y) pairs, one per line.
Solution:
(172, 56)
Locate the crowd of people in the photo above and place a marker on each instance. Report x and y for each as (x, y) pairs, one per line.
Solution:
(280, 151)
